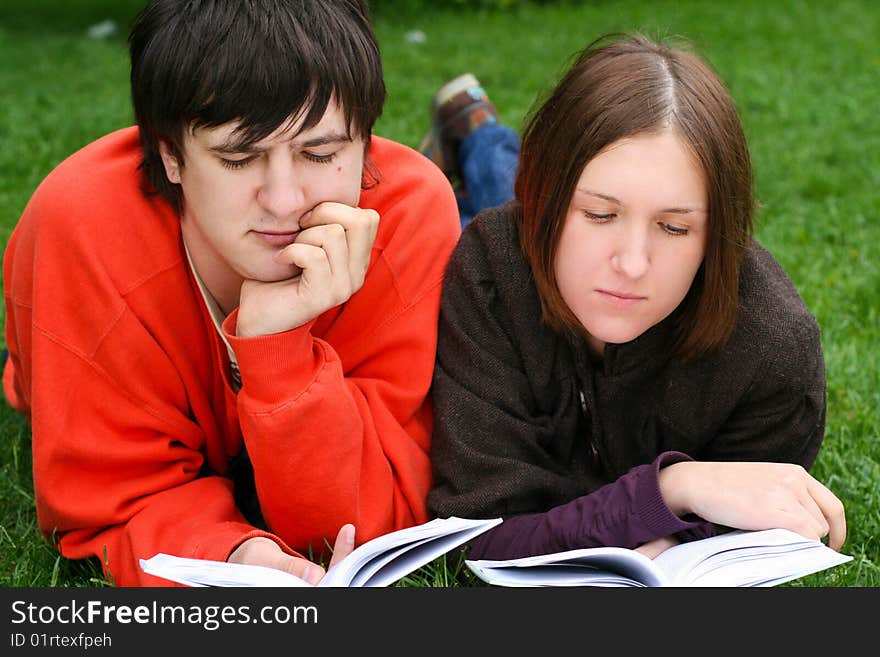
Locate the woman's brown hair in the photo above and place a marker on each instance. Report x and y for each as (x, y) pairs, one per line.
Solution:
(621, 86)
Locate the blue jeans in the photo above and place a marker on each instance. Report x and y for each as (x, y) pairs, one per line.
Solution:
(488, 157)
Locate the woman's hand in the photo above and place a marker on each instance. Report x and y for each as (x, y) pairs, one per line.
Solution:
(653, 548)
(755, 496)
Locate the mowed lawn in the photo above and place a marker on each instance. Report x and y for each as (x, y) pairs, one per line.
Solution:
(804, 75)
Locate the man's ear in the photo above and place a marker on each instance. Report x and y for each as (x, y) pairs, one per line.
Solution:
(171, 163)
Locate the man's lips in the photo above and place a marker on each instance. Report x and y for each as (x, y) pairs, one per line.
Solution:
(620, 299)
(276, 239)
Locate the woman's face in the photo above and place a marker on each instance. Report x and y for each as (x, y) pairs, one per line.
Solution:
(634, 236)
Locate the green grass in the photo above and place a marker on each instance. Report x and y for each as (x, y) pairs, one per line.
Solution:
(804, 74)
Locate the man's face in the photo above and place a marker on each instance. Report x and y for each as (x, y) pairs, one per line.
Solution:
(243, 204)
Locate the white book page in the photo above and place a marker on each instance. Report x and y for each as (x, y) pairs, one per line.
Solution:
(729, 559)
(553, 575)
(745, 558)
(388, 568)
(388, 547)
(384, 562)
(583, 567)
(203, 572)
(769, 568)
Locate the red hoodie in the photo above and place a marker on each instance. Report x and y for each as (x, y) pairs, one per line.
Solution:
(115, 358)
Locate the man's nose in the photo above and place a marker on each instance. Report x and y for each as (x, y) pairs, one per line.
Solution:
(281, 193)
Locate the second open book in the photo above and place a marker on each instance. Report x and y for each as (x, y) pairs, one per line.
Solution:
(739, 558)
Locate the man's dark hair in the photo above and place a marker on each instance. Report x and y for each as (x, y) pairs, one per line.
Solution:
(204, 63)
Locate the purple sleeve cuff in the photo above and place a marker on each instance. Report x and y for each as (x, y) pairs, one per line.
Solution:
(627, 512)
(656, 516)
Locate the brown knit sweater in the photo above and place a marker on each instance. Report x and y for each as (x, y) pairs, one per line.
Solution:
(511, 436)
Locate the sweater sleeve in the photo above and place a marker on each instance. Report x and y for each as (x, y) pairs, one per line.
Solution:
(116, 475)
(120, 462)
(626, 513)
(338, 421)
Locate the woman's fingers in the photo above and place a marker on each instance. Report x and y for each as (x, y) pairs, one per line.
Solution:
(832, 510)
(754, 496)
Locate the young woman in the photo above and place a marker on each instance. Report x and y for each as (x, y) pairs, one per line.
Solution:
(619, 363)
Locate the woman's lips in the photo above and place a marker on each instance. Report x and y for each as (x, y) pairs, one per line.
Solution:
(619, 299)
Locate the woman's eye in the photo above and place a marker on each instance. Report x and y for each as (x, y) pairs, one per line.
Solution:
(672, 229)
(599, 218)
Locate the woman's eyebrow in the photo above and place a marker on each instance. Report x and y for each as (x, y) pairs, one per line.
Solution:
(612, 199)
(606, 197)
(681, 210)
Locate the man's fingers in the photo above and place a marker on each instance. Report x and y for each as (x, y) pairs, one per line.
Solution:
(312, 260)
(338, 213)
(344, 544)
(262, 551)
(360, 226)
(306, 570)
(331, 238)
(360, 245)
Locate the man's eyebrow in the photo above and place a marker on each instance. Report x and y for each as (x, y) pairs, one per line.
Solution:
(323, 140)
(230, 147)
(682, 210)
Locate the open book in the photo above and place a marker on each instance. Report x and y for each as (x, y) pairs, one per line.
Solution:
(738, 558)
(379, 562)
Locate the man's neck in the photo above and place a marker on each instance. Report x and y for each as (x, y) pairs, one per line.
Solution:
(223, 284)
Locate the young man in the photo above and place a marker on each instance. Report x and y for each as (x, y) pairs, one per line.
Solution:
(245, 277)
